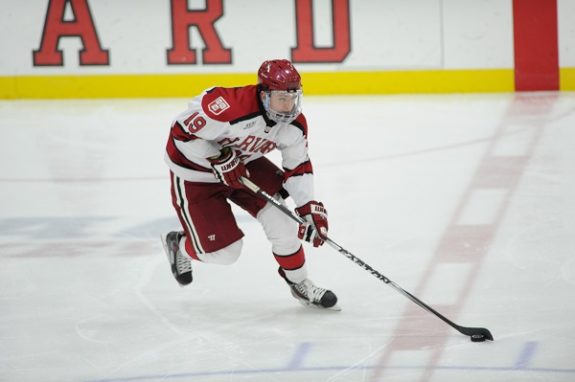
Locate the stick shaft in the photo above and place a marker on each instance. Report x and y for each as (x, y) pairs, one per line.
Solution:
(463, 330)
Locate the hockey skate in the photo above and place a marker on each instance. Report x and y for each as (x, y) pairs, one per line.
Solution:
(180, 263)
(310, 295)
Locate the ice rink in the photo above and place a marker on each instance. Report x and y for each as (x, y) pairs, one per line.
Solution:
(467, 201)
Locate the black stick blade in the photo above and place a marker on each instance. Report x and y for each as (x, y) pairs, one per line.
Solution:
(475, 331)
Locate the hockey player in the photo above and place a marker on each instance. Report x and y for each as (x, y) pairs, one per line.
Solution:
(223, 136)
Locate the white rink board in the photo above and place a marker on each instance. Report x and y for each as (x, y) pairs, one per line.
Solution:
(392, 34)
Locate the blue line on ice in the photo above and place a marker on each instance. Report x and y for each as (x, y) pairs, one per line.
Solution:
(526, 355)
(165, 377)
(299, 356)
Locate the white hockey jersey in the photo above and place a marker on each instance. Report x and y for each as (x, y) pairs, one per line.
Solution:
(235, 117)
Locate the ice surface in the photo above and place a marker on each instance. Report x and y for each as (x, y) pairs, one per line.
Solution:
(467, 201)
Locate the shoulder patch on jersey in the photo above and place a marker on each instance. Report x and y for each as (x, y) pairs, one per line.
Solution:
(229, 104)
(218, 106)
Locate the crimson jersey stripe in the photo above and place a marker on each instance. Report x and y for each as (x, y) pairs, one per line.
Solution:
(301, 123)
(178, 158)
(246, 118)
(179, 133)
(301, 169)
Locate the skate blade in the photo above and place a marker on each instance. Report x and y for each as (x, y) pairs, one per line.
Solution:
(335, 308)
(171, 260)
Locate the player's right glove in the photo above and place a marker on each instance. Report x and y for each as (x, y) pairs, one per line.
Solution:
(314, 230)
(229, 168)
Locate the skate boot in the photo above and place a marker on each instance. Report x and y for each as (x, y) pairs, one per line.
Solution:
(181, 264)
(310, 295)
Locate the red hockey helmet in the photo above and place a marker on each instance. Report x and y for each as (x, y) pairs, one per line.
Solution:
(281, 86)
(278, 75)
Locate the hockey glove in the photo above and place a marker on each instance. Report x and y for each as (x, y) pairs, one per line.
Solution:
(314, 230)
(229, 168)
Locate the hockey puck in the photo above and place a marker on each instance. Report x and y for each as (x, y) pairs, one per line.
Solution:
(478, 338)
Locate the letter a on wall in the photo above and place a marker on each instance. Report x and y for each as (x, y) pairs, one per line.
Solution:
(55, 27)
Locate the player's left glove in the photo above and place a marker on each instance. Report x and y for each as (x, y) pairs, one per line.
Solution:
(314, 230)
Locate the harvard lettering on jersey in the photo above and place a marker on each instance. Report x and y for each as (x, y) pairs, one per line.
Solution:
(235, 117)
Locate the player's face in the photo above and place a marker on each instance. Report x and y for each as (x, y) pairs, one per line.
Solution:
(282, 106)
(283, 101)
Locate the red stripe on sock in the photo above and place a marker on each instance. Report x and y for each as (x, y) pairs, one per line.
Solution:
(293, 261)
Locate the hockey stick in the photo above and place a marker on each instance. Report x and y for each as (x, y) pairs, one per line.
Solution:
(476, 334)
